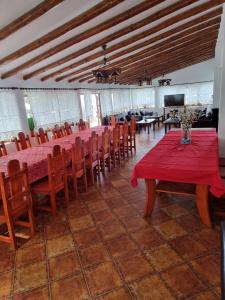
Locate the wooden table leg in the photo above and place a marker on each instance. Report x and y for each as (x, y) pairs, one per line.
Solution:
(150, 185)
(202, 204)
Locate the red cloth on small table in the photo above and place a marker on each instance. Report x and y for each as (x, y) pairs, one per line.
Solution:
(196, 163)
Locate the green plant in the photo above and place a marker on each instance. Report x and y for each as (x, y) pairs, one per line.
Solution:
(31, 124)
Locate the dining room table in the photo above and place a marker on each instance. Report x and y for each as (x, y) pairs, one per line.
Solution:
(196, 163)
(36, 157)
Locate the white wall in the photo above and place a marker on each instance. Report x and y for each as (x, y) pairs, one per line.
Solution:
(219, 85)
(197, 73)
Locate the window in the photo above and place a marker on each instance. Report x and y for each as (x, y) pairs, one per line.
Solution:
(49, 107)
(10, 123)
(106, 99)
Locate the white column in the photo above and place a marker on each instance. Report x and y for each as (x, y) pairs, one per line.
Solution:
(219, 84)
(22, 111)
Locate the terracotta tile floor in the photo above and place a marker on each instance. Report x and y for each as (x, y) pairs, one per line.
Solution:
(102, 248)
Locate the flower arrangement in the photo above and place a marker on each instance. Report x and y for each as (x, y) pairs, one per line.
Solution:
(186, 119)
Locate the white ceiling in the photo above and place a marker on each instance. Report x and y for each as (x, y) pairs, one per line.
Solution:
(12, 9)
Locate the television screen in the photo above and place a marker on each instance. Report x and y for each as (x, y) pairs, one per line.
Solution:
(174, 100)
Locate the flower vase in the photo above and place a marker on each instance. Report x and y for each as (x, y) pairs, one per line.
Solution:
(185, 135)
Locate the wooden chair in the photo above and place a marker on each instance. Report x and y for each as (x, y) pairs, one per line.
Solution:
(22, 142)
(124, 147)
(78, 169)
(57, 132)
(67, 128)
(16, 201)
(55, 182)
(132, 136)
(92, 162)
(3, 151)
(115, 146)
(81, 125)
(104, 151)
(113, 121)
(41, 136)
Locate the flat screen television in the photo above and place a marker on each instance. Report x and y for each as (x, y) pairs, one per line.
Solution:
(174, 100)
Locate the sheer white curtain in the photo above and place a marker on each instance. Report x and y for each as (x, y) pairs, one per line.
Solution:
(10, 123)
(49, 107)
(143, 97)
(195, 93)
(121, 100)
(106, 102)
(69, 106)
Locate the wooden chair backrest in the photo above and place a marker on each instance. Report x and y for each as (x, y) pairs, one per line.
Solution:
(78, 155)
(15, 189)
(57, 132)
(106, 140)
(81, 125)
(116, 136)
(133, 126)
(3, 151)
(125, 128)
(93, 148)
(56, 167)
(67, 128)
(22, 142)
(113, 121)
(42, 136)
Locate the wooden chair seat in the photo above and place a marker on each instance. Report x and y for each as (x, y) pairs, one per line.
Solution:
(78, 174)
(41, 186)
(176, 188)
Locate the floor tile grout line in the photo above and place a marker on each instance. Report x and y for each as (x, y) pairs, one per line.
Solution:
(47, 263)
(112, 258)
(79, 258)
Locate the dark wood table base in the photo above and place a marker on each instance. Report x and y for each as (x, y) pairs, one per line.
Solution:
(201, 200)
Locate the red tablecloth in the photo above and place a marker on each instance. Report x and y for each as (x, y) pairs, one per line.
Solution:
(36, 157)
(195, 163)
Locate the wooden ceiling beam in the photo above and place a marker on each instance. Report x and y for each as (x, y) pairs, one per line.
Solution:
(176, 68)
(28, 17)
(70, 25)
(91, 32)
(212, 14)
(172, 66)
(199, 27)
(85, 78)
(164, 63)
(163, 60)
(183, 49)
(157, 48)
(156, 72)
(204, 53)
(146, 21)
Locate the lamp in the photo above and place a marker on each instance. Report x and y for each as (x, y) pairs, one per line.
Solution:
(164, 81)
(106, 74)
